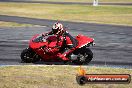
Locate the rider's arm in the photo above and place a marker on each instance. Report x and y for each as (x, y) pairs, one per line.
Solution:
(50, 33)
(46, 34)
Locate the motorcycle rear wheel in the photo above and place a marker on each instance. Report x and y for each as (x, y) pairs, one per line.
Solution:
(29, 56)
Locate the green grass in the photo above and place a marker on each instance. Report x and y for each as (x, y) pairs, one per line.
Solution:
(117, 1)
(13, 24)
(54, 77)
(118, 15)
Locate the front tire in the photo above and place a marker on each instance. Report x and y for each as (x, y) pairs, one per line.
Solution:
(85, 55)
(29, 56)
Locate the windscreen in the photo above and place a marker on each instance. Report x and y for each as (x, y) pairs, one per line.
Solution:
(39, 39)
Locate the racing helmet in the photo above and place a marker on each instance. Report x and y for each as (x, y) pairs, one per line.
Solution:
(57, 28)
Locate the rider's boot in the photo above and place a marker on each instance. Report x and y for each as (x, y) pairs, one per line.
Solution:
(62, 56)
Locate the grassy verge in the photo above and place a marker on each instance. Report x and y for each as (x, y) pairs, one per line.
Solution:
(13, 24)
(117, 1)
(53, 77)
(82, 13)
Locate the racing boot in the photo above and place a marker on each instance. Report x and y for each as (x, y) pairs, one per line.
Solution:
(62, 56)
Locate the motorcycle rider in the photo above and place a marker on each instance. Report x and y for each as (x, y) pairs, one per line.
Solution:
(68, 41)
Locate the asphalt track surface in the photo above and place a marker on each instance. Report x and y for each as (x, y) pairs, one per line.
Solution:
(66, 3)
(113, 43)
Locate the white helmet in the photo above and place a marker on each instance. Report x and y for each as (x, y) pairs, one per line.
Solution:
(57, 28)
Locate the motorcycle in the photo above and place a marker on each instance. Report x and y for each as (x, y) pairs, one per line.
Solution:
(44, 48)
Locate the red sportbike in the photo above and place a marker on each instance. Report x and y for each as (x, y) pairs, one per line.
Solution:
(45, 48)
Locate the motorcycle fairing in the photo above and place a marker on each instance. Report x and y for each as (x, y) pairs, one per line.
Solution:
(83, 40)
(50, 42)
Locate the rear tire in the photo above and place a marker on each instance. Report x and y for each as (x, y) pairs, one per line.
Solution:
(85, 55)
(29, 56)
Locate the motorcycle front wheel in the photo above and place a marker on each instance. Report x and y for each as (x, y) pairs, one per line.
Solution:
(85, 55)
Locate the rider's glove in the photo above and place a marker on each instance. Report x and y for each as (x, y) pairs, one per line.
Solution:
(44, 34)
